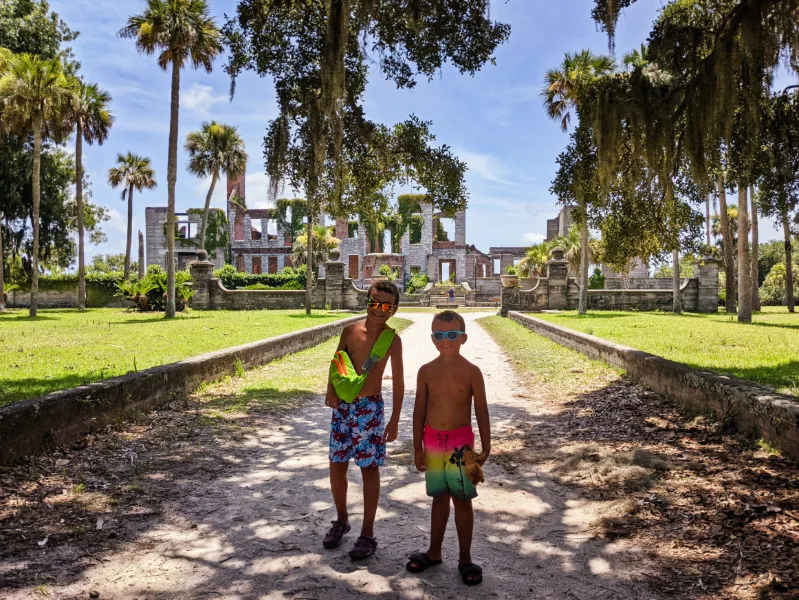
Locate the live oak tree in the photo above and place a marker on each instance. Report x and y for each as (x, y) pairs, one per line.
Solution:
(317, 53)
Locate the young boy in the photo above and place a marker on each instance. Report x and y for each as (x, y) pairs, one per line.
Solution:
(442, 430)
(357, 430)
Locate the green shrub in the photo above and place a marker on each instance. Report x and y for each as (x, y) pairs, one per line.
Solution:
(291, 285)
(417, 283)
(387, 271)
(772, 292)
(150, 293)
(597, 280)
(233, 280)
(511, 271)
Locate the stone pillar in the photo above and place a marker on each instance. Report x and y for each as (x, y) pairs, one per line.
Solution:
(141, 255)
(707, 270)
(202, 271)
(505, 261)
(558, 274)
(432, 268)
(460, 227)
(334, 281)
(427, 226)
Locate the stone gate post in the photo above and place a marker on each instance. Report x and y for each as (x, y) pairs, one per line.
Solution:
(334, 280)
(707, 271)
(558, 275)
(202, 271)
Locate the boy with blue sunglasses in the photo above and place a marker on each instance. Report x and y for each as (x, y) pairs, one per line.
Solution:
(442, 431)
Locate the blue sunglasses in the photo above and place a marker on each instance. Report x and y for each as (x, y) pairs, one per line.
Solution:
(450, 335)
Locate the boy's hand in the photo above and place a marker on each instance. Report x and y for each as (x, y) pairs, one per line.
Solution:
(482, 457)
(418, 455)
(332, 400)
(391, 430)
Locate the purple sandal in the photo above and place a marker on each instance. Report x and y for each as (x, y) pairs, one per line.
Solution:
(364, 548)
(337, 531)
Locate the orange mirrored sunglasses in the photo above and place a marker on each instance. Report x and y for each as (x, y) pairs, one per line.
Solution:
(382, 306)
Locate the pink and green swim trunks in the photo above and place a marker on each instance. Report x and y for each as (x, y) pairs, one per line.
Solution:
(445, 473)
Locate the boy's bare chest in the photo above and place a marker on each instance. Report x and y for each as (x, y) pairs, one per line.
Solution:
(449, 384)
(359, 347)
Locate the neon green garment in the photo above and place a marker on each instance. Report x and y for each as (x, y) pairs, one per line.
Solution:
(347, 383)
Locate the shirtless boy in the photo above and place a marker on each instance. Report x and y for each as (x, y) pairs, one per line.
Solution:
(357, 430)
(442, 429)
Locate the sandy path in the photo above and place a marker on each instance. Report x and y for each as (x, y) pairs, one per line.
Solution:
(257, 532)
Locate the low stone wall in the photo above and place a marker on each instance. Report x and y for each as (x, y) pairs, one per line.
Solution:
(45, 299)
(640, 283)
(29, 427)
(755, 410)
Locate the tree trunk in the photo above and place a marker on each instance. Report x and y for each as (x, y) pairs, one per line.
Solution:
(675, 282)
(129, 243)
(582, 306)
(2, 264)
(171, 180)
(744, 265)
(141, 256)
(786, 230)
(755, 252)
(726, 240)
(37, 162)
(309, 261)
(707, 219)
(79, 203)
(214, 179)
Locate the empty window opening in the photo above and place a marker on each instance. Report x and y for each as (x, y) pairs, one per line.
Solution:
(256, 229)
(516, 261)
(354, 268)
(416, 270)
(271, 230)
(445, 231)
(185, 229)
(352, 229)
(287, 262)
(272, 265)
(256, 265)
(240, 263)
(388, 243)
(497, 266)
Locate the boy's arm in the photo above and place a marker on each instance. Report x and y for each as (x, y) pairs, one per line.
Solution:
(419, 418)
(398, 387)
(481, 412)
(331, 399)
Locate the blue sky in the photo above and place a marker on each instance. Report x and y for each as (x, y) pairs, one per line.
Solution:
(494, 121)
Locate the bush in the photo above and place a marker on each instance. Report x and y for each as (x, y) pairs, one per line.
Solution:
(233, 280)
(417, 283)
(387, 271)
(100, 287)
(511, 271)
(772, 292)
(150, 293)
(597, 280)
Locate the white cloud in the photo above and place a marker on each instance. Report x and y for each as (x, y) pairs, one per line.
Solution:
(117, 222)
(200, 98)
(533, 238)
(486, 166)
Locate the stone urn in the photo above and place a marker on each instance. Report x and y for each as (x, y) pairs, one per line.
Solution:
(509, 281)
(376, 278)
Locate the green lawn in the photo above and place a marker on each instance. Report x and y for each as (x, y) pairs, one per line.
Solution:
(64, 348)
(767, 351)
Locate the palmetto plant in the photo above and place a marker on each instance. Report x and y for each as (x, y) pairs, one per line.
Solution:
(216, 149)
(179, 32)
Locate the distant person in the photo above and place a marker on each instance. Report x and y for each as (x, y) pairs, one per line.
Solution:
(357, 430)
(442, 433)
(451, 295)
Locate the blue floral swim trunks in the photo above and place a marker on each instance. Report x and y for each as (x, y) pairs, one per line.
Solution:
(357, 431)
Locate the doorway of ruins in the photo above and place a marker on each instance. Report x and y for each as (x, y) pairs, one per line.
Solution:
(446, 267)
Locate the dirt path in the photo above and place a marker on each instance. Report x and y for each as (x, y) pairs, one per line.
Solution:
(256, 531)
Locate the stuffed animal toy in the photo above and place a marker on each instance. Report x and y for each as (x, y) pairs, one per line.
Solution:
(473, 470)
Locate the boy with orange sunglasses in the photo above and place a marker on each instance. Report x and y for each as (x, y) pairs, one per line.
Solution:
(357, 430)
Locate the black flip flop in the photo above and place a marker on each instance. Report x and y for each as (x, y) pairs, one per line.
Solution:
(420, 562)
(471, 574)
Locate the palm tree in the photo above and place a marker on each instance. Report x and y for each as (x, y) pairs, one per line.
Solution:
(35, 94)
(562, 91)
(215, 149)
(92, 124)
(744, 265)
(179, 31)
(5, 56)
(132, 172)
(323, 243)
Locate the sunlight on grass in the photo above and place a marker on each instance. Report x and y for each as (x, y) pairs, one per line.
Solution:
(65, 348)
(767, 351)
(277, 386)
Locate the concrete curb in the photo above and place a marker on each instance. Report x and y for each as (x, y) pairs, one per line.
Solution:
(753, 409)
(29, 427)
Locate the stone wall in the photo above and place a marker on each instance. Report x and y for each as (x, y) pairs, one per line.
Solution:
(334, 290)
(63, 299)
(558, 291)
(640, 283)
(755, 410)
(31, 426)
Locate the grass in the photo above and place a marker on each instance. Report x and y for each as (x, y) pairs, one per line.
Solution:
(279, 385)
(61, 349)
(546, 362)
(767, 351)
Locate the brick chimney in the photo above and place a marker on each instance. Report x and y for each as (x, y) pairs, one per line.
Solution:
(237, 183)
